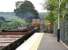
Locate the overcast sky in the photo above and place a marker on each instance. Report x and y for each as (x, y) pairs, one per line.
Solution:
(9, 5)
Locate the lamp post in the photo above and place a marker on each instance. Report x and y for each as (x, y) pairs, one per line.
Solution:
(58, 30)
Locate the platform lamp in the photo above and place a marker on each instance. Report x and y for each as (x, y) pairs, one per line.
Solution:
(58, 29)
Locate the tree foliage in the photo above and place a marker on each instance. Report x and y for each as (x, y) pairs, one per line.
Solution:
(51, 18)
(53, 6)
(13, 24)
(26, 10)
(64, 9)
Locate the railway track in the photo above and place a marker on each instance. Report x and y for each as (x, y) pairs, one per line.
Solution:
(12, 41)
(5, 40)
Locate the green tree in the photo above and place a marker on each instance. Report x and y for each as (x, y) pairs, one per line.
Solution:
(51, 18)
(53, 7)
(13, 24)
(63, 9)
(26, 10)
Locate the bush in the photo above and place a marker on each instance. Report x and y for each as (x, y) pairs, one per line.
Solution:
(13, 24)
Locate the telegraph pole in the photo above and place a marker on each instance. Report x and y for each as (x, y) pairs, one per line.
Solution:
(58, 30)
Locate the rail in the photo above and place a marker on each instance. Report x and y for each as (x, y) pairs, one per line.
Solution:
(18, 42)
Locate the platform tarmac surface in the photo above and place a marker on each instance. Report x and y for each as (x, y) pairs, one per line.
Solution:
(49, 42)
